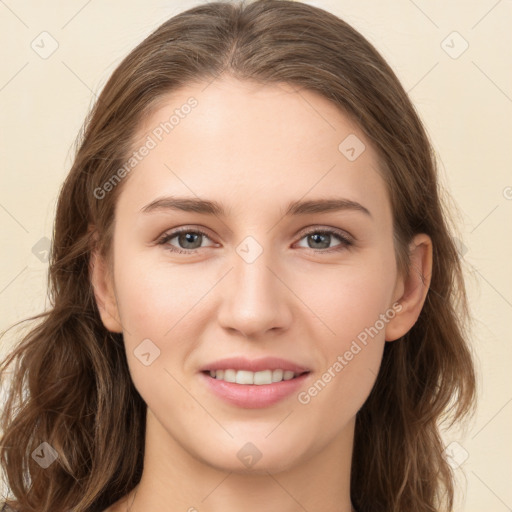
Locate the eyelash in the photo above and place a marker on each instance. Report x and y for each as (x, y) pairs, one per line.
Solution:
(345, 241)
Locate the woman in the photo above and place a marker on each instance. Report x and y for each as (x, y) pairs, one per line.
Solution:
(256, 300)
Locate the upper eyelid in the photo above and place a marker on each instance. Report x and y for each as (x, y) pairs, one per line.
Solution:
(175, 232)
(343, 234)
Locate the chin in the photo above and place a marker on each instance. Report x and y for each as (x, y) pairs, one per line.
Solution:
(259, 468)
(253, 458)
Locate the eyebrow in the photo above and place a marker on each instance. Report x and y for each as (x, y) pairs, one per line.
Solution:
(207, 207)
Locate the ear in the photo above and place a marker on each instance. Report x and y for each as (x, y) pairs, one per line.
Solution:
(103, 286)
(411, 290)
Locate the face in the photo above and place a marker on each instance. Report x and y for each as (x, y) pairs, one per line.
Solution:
(267, 275)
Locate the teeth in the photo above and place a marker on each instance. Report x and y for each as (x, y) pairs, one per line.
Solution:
(247, 377)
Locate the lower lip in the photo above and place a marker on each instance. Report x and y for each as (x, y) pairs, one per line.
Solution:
(253, 396)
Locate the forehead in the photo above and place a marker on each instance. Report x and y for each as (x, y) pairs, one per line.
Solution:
(252, 145)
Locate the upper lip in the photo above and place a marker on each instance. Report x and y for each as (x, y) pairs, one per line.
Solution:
(254, 365)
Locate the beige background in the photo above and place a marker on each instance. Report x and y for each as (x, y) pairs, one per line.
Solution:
(465, 101)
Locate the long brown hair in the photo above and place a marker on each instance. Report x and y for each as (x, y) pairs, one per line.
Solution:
(71, 387)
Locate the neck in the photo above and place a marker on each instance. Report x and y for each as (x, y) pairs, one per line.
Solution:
(174, 480)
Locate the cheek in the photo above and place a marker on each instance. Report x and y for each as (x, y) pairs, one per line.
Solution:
(355, 310)
(152, 298)
(156, 303)
(353, 298)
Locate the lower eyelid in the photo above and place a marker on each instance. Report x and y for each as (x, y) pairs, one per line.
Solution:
(345, 241)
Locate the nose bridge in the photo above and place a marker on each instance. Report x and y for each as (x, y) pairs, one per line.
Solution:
(253, 299)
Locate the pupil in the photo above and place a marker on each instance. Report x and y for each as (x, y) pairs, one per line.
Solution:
(187, 238)
(317, 240)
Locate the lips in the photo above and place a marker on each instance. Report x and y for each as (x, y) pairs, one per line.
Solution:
(260, 393)
(252, 396)
(255, 365)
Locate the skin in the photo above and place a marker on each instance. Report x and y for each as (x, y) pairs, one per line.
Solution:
(253, 148)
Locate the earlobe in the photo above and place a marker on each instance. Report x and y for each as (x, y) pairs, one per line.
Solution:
(413, 288)
(102, 284)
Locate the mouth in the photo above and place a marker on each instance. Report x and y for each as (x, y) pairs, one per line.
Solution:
(254, 390)
(259, 378)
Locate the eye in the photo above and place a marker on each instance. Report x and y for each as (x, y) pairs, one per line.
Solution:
(319, 239)
(188, 239)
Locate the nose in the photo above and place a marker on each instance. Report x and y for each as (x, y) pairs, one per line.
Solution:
(255, 298)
